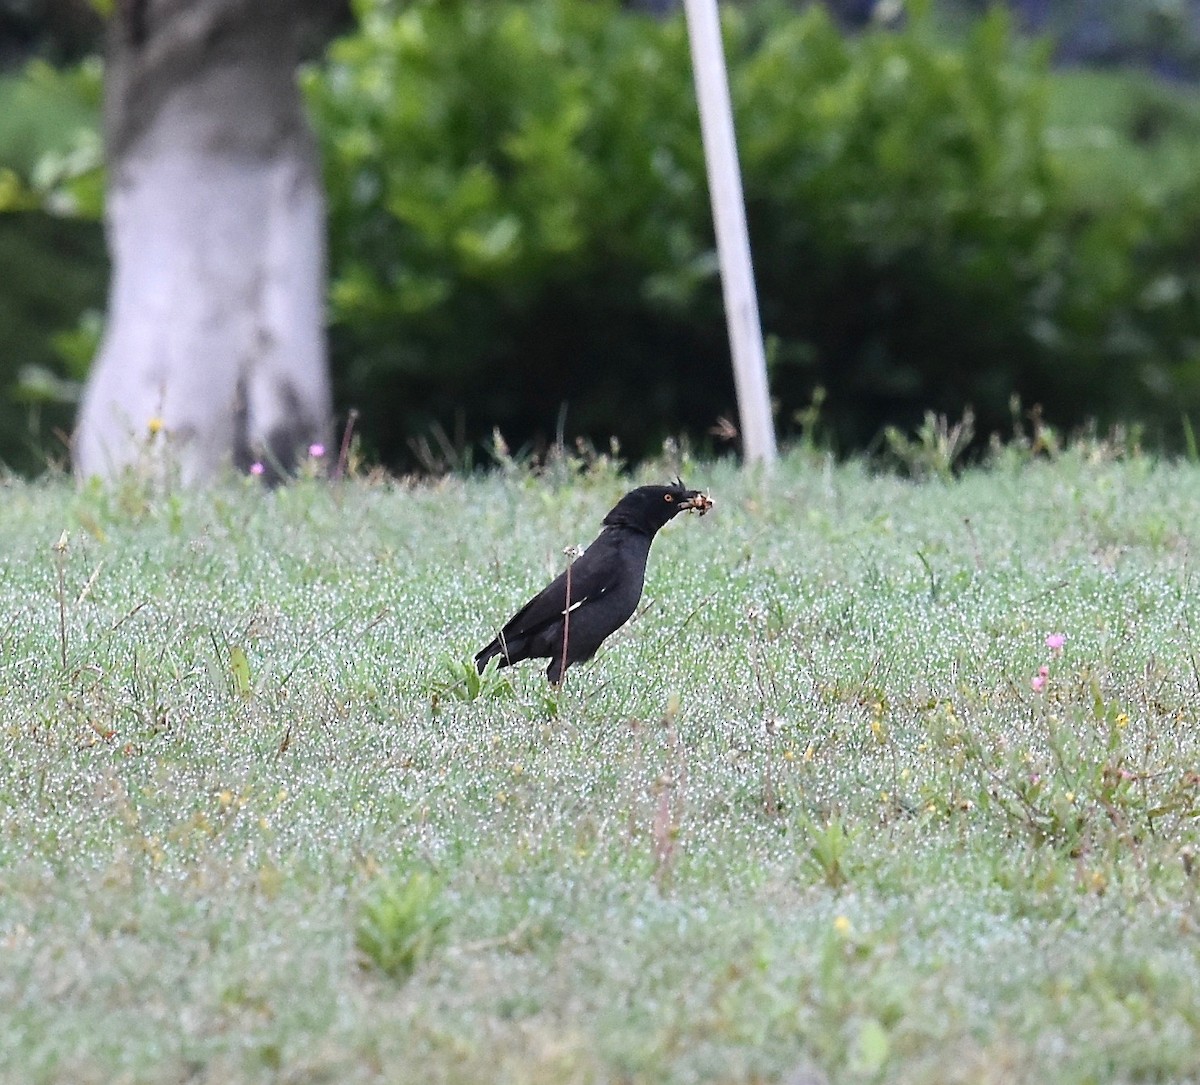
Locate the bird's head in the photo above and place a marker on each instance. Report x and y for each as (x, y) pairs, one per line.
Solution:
(649, 507)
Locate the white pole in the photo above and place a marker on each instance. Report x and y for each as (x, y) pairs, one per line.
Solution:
(733, 241)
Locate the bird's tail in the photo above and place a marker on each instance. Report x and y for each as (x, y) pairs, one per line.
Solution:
(489, 652)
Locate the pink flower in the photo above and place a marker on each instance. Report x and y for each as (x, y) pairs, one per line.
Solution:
(316, 450)
(1038, 682)
(1055, 641)
(256, 468)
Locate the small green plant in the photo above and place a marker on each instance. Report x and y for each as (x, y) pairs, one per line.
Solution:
(60, 564)
(811, 435)
(401, 923)
(549, 700)
(828, 848)
(463, 682)
(937, 447)
(1030, 436)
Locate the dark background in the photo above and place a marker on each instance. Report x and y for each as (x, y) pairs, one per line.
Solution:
(1015, 221)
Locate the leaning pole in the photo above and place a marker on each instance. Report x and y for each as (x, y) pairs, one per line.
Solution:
(733, 239)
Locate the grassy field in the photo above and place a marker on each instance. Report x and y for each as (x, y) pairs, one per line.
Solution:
(807, 819)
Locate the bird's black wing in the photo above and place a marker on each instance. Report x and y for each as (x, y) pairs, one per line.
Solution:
(591, 576)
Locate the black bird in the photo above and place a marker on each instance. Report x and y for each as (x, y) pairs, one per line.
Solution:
(606, 584)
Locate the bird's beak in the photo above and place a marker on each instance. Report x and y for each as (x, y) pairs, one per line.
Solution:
(697, 502)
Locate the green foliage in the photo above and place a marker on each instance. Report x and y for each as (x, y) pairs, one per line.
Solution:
(53, 270)
(44, 109)
(904, 190)
(463, 682)
(925, 249)
(520, 231)
(828, 850)
(937, 447)
(52, 264)
(519, 221)
(402, 921)
(1121, 135)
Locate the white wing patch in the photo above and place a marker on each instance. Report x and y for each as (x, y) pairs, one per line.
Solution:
(586, 599)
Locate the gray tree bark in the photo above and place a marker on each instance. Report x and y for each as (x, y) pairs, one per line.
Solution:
(214, 351)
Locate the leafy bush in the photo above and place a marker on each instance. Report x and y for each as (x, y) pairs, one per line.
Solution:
(925, 249)
(53, 268)
(520, 222)
(520, 226)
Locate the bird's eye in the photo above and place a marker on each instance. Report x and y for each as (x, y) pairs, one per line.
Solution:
(668, 497)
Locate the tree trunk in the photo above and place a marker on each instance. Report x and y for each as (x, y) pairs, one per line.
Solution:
(214, 352)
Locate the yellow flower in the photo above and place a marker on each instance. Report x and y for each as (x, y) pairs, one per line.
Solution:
(155, 426)
(842, 925)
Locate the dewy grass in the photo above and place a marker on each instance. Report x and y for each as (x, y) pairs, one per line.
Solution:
(887, 781)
